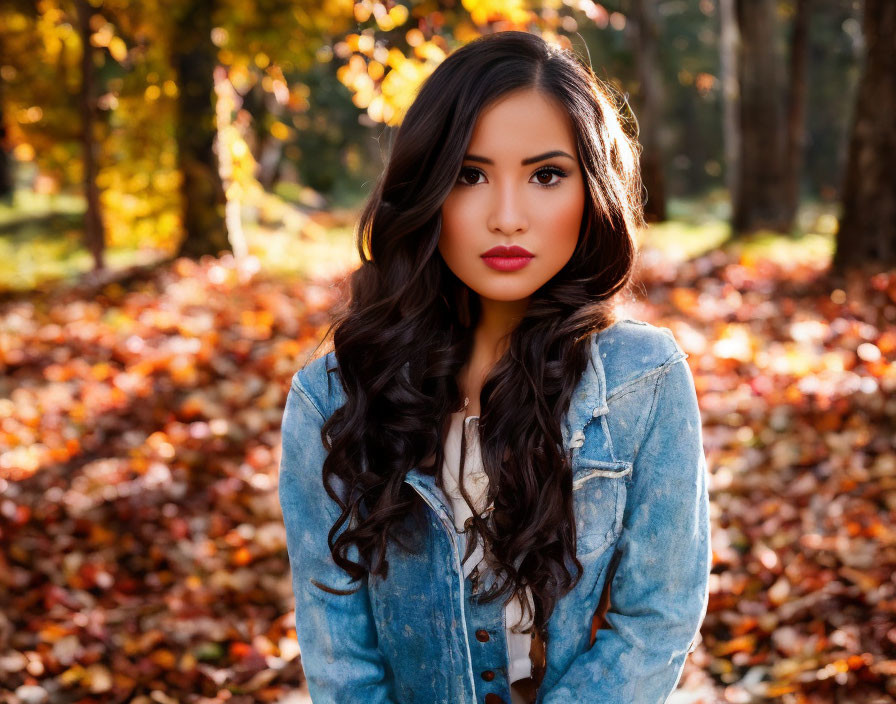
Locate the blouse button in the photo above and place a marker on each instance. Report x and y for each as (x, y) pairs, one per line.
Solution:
(482, 636)
(488, 676)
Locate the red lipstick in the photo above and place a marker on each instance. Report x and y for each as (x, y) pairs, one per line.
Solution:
(504, 258)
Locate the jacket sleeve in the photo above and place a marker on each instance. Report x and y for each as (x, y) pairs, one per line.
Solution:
(336, 633)
(660, 590)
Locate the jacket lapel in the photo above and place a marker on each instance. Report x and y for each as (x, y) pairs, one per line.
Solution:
(589, 400)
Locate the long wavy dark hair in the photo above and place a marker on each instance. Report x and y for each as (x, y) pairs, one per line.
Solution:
(408, 327)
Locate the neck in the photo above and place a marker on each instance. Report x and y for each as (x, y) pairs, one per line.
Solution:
(491, 338)
(497, 320)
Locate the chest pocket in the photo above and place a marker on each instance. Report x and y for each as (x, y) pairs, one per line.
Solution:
(599, 490)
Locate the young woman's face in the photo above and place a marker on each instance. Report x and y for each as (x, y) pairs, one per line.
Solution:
(520, 186)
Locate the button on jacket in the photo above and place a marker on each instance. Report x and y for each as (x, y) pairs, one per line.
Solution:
(642, 523)
(519, 644)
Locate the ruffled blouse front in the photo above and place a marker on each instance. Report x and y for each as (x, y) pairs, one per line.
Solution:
(476, 484)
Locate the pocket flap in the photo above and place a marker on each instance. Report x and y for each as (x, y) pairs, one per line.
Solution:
(586, 468)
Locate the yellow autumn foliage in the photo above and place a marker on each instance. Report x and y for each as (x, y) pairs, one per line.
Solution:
(484, 11)
(385, 81)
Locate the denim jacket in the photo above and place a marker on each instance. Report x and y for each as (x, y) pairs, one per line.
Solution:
(642, 521)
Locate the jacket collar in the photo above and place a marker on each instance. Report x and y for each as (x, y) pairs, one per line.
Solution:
(589, 399)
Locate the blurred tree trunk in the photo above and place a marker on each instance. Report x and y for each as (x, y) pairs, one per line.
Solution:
(796, 107)
(761, 197)
(5, 161)
(643, 12)
(267, 149)
(6, 187)
(94, 230)
(729, 39)
(6, 176)
(202, 194)
(867, 232)
(270, 152)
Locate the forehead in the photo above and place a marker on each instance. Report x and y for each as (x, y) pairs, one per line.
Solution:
(522, 123)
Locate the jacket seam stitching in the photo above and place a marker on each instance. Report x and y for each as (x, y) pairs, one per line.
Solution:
(623, 388)
(605, 426)
(652, 414)
(297, 385)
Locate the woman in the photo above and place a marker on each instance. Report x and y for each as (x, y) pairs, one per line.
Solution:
(490, 465)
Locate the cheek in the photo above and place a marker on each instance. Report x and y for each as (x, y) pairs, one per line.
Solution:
(455, 242)
(563, 222)
(569, 216)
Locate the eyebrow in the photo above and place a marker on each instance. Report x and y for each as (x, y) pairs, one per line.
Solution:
(528, 160)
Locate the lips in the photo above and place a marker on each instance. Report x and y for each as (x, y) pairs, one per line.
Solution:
(505, 251)
(504, 258)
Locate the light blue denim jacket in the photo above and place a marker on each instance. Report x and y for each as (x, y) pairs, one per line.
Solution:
(640, 494)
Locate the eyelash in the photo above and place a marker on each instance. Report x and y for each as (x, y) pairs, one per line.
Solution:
(550, 169)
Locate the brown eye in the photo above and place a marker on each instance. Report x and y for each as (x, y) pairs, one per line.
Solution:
(467, 172)
(548, 172)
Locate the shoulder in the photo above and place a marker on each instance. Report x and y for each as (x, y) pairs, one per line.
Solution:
(627, 351)
(631, 350)
(649, 386)
(319, 382)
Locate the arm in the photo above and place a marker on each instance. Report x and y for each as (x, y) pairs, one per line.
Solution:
(336, 632)
(660, 590)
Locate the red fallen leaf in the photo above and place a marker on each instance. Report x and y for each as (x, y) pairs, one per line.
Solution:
(238, 650)
(54, 594)
(127, 585)
(259, 457)
(178, 528)
(247, 660)
(52, 632)
(745, 625)
(241, 557)
(761, 384)
(86, 576)
(886, 343)
(856, 662)
(21, 515)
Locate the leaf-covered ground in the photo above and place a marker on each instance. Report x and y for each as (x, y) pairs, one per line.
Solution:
(143, 553)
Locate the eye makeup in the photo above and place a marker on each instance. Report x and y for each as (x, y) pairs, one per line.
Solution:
(553, 170)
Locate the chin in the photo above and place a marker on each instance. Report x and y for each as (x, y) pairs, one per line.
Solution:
(507, 295)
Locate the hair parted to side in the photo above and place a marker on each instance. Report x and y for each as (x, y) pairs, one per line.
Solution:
(407, 328)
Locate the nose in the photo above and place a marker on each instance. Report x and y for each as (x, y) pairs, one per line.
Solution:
(508, 216)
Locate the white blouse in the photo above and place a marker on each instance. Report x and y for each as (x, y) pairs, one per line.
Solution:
(476, 484)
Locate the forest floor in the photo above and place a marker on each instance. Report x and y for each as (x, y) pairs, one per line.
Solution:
(143, 552)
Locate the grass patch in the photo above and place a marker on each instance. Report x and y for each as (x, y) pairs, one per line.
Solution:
(314, 252)
(808, 248)
(680, 239)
